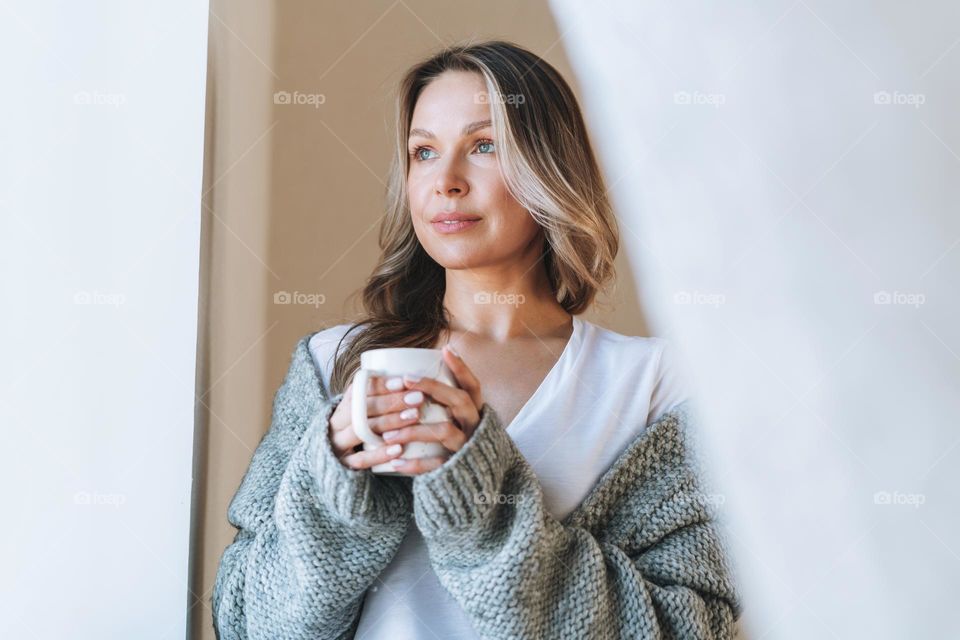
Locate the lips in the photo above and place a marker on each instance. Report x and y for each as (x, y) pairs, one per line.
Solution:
(454, 216)
(454, 222)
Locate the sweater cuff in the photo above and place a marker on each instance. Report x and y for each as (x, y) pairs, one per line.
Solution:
(355, 496)
(464, 489)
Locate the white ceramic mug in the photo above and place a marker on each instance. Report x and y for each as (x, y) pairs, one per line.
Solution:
(390, 362)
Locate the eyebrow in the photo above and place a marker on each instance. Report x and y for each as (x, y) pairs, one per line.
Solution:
(467, 130)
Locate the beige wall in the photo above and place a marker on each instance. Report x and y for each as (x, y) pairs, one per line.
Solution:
(295, 194)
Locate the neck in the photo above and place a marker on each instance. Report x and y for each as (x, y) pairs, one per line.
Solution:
(503, 302)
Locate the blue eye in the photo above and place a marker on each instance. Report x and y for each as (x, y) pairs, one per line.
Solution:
(486, 143)
(416, 153)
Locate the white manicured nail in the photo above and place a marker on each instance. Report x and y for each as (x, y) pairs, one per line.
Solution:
(394, 384)
(409, 414)
(398, 461)
(394, 449)
(414, 397)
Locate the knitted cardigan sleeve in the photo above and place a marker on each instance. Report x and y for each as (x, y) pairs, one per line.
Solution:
(312, 534)
(642, 556)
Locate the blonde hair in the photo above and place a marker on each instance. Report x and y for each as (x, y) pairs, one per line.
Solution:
(548, 166)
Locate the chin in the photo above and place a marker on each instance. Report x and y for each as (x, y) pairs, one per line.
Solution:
(458, 260)
(458, 263)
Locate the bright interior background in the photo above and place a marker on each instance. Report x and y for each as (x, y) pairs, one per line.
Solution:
(790, 172)
(101, 158)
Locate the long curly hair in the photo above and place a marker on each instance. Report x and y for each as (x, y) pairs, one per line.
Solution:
(548, 166)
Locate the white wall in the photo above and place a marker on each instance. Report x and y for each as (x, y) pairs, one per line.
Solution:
(776, 166)
(101, 142)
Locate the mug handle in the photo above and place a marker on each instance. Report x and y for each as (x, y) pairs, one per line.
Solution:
(358, 409)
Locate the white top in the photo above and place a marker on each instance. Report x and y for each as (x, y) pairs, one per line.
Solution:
(573, 428)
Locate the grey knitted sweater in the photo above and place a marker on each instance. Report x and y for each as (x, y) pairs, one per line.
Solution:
(641, 557)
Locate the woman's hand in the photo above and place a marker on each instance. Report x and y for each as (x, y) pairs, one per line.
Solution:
(389, 407)
(463, 404)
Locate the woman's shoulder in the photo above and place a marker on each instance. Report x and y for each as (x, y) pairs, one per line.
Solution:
(651, 364)
(323, 346)
(637, 351)
(326, 335)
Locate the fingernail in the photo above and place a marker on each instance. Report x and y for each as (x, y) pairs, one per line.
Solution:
(409, 414)
(452, 350)
(390, 435)
(398, 461)
(412, 378)
(394, 449)
(414, 397)
(395, 384)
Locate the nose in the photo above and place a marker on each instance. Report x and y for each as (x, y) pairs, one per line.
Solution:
(449, 181)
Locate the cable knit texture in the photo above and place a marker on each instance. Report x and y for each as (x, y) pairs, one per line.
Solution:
(641, 557)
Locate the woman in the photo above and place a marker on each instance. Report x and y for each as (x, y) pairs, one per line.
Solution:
(568, 504)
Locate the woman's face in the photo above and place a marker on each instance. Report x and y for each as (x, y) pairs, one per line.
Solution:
(453, 168)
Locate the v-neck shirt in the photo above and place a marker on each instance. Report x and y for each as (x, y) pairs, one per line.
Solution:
(581, 417)
(548, 385)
